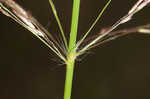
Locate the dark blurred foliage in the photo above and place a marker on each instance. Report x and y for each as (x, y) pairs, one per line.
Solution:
(115, 70)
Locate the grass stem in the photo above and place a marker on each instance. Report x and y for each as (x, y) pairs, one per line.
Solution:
(69, 78)
(71, 51)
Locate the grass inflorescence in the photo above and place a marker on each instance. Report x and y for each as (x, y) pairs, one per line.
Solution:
(72, 49)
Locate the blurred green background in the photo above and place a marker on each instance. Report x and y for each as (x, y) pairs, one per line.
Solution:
(115, 70)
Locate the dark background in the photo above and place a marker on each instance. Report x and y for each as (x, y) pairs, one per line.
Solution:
(116, 70)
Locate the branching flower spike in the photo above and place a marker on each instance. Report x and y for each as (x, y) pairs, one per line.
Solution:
(17, 13)
(72, 48)
(137, 7)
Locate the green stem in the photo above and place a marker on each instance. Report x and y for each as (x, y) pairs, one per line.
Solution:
(68, 81)
(74, 25)
(71, 50)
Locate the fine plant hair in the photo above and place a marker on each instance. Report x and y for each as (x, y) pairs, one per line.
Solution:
(72, 48)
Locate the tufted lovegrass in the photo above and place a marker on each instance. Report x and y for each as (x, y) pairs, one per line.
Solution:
(17, 13)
